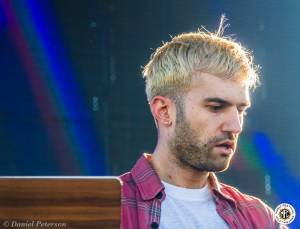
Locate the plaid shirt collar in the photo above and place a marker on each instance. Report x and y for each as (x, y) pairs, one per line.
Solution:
(146, 179)
(150, 185)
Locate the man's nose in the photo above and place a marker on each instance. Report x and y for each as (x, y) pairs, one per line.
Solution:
(233, 122)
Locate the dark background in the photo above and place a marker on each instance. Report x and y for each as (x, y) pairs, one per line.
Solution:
(73, 101)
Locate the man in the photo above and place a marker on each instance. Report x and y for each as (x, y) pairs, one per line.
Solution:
(197, 87)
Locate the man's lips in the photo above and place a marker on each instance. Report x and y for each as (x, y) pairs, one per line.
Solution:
(228, 144)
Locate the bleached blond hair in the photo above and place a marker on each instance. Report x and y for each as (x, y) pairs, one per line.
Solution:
(169, 71)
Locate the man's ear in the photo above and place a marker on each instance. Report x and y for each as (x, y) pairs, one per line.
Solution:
(162, 110)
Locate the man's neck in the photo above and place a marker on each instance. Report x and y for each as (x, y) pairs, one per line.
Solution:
(172, 172)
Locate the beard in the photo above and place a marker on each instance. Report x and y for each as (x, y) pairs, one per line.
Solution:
(190, 151)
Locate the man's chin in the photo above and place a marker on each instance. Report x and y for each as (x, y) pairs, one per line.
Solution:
(211, 167)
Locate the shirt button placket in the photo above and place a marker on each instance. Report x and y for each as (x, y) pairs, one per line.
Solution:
(154, 225)
(159, 195)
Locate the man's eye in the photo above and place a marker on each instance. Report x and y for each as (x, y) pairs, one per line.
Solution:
(216, 108)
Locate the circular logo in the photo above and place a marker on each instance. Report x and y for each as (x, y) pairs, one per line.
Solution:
(285, 213)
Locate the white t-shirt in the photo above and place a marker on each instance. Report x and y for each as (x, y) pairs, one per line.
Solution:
(186, 208)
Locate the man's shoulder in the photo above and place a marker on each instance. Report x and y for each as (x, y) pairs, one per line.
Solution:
(128, 183)
(246, 202)
(253, 208)
(126, 177)
(237, 195)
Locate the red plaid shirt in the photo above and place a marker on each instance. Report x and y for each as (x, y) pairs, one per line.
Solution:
(143, 194)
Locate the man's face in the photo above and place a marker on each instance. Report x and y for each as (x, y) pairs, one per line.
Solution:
(209, 119)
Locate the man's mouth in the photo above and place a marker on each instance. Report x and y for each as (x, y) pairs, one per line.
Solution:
(228, 144)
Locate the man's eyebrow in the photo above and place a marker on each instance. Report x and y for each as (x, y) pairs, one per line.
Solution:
(225, 102)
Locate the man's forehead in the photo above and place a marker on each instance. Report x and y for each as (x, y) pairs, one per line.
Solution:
(210, 86)
(204, 77)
